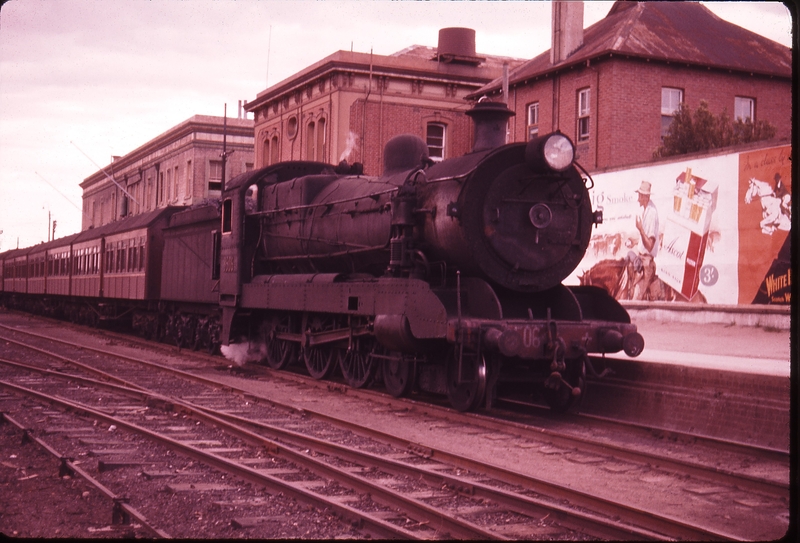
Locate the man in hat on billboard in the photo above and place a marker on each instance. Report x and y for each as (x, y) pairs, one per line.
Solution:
(647, 225)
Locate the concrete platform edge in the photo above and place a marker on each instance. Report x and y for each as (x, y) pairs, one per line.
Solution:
(765, 316)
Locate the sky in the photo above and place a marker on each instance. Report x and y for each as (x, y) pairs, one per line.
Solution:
(84, 80)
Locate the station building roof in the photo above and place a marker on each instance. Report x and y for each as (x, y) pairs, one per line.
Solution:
(677, 32)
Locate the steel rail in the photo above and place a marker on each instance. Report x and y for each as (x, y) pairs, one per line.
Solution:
(424, 512)
(651, 522)
(600, 526)
(122, 510)
(591, 502)
(378, 526)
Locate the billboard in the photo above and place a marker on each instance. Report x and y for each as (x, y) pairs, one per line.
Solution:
(712, 229)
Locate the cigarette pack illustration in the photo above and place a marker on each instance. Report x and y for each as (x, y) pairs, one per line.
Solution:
(683, 245)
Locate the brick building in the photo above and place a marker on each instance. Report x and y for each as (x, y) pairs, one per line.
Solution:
(182, 166)
(347, 105)
(614, 86)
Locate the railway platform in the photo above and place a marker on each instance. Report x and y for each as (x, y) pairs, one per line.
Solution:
(723, 374)
(715, 346)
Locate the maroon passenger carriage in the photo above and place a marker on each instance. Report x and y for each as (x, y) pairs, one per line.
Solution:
(445, 277)
(102, 274)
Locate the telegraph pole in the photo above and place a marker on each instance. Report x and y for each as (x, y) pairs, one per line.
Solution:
(225, 152)
(224, 145)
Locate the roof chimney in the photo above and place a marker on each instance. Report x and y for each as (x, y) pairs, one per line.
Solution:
(567, 29)
(457, 45)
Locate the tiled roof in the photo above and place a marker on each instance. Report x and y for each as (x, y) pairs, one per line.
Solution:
(684, 32)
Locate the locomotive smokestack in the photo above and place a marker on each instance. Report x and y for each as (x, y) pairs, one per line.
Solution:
(490, 119)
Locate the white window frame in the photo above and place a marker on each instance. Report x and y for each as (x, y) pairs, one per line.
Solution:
(214, 176)
(533, 120)
(671, 100)
(584, 114)
(740, 103)
(436, 146)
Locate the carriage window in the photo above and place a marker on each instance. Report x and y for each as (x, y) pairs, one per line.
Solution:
(141, 254)
(121, 257)
(227, 208)
(215, 254)
(251, 200)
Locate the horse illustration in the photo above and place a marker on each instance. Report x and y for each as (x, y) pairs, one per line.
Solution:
(618, 278)
(773, 209)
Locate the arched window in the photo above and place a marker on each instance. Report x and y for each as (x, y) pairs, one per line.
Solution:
(265, 154)
(276, 157)
(311, 142)
(321, 141)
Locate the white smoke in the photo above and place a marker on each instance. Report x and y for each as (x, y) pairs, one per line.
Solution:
(242, 353)
(350, 146)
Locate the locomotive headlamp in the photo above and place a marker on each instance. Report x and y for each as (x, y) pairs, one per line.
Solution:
(553, 151)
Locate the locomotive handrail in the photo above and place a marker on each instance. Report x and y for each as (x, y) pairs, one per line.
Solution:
(326, 255)
(321, 204)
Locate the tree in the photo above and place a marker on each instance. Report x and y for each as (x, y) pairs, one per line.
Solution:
(701, 130)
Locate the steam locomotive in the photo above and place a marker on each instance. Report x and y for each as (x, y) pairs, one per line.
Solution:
(445, 277)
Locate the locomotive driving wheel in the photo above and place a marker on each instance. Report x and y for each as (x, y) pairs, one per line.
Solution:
(321, 359)
(466, 381)
(399, 373)
(358, 363)
(280, 352)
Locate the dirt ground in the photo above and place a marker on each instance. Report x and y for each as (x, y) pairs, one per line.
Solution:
(36, 502)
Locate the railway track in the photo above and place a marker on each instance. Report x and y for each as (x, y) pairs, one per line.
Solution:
(474, 483)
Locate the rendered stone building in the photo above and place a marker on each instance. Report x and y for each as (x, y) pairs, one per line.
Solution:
(348, 105)
(181, 167)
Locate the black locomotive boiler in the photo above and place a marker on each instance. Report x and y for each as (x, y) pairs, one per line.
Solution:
(443, 276)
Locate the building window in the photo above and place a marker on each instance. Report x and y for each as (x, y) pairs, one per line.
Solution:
(291, 127)
(189, 187)
(322, 139)
(435, 138)
(533, 120)
(175, 186)
(265, 154)
(311, 142)
(744, 109)
(671, 100)
(215, 175)
(583, 114)
(276, 157)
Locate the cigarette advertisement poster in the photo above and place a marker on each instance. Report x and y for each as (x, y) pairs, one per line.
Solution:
(704, 230)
